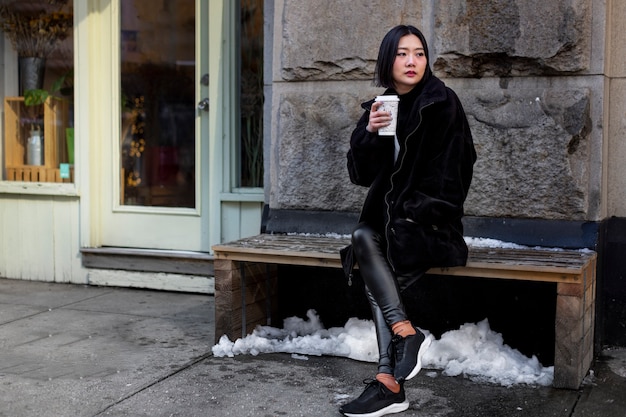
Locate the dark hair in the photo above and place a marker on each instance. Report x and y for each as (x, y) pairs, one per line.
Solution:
(383, 74)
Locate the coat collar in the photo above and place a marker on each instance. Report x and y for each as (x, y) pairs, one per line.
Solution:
(434, 91)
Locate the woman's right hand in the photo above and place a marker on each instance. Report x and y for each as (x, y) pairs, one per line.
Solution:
(378, 118)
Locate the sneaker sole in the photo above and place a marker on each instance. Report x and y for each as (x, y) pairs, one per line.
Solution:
(392, 408)
(418, 366)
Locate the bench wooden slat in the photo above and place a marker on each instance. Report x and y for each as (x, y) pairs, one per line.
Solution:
(281, 259)
(478, 270)
(536, 264)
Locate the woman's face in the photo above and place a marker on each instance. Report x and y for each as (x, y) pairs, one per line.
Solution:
(410, 64)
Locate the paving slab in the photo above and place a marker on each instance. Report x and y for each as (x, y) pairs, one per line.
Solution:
(278, 385)
(69, 350)
(45, 295)
(75, 350)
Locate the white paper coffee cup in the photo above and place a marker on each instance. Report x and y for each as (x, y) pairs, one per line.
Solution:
(390, 105)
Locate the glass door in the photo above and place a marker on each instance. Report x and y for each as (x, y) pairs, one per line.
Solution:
(157, 76)
(158, 182)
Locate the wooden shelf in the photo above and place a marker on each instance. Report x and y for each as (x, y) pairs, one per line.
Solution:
(16, 131)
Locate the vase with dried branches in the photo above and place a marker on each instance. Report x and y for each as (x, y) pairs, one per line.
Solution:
(35, 29)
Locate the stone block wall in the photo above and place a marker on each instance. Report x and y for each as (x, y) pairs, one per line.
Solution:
(544, 88)
(531, 76)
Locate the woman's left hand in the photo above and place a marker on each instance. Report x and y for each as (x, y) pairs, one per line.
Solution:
(378, 118)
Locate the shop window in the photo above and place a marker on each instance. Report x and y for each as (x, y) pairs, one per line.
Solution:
(38, 111)
(251, 90)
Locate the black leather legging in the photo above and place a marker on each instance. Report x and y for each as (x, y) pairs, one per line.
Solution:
(383, 288)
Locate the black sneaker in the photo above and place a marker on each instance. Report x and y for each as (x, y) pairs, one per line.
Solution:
(376, 401)
(409, 351)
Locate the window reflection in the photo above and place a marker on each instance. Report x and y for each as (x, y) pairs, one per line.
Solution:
(251, 93)
(38, 112)
(157, 149)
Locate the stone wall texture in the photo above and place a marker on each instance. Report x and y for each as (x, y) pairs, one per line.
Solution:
(526, 71)
(483, 38)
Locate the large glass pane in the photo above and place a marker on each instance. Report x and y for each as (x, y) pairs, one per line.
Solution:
(157, 141)
(38, 117)
(251, 36)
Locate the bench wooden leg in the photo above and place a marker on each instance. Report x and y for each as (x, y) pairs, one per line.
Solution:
(575, 316)
(245, 296)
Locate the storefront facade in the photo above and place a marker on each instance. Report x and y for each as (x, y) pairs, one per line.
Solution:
(156, 174)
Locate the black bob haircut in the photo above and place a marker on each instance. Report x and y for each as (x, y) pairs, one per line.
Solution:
(383, 74)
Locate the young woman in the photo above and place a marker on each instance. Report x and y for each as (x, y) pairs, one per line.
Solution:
(411, 218)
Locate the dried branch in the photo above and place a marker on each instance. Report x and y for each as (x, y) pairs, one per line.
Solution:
(35, 33)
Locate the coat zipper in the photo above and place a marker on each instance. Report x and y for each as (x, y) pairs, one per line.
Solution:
(393, 174)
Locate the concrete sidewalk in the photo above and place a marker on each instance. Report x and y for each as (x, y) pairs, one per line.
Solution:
(70, 350)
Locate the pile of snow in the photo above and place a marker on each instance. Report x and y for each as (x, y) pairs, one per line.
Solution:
(474, 350)
(479, 353)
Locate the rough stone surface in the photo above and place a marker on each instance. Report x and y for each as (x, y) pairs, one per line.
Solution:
(533, 147)
(344, 44)
(479, 38)
(314, 139)
(537, 129)
(471, 38)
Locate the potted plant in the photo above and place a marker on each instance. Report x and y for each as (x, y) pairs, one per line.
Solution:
(62, 89)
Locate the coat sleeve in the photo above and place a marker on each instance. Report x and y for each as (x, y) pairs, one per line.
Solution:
(368, 153)
(445, 168)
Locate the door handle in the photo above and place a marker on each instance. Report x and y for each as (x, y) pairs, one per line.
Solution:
(203, 104)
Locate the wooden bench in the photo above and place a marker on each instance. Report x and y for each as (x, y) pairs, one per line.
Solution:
(246, 287)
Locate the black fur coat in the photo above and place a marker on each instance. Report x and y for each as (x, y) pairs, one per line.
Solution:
(416, 203)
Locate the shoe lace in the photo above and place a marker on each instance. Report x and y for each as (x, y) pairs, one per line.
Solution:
(372, 383)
